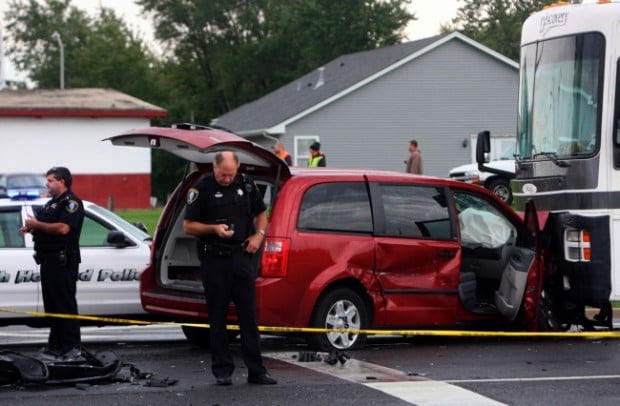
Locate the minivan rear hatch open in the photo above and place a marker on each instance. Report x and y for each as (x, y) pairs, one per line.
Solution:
(199, 144)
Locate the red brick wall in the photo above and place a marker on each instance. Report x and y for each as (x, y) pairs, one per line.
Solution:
(129, 191)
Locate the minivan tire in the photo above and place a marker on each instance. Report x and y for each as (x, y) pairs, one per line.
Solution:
(339, 308)
(201, 336)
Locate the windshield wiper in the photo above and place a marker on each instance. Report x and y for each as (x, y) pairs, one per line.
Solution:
(553, 157)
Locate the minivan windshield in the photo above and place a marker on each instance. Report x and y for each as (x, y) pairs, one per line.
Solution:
(560, 98)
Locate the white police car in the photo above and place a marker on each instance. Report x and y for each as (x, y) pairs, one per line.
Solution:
(114, 253)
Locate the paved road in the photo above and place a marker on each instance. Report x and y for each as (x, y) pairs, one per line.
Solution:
(421, 371)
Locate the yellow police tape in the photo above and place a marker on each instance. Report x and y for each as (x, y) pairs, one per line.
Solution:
(274, 329)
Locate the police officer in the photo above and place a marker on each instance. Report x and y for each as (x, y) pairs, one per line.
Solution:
(56, 234)
(226, 212)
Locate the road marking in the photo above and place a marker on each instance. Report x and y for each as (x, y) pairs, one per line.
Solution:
(542, 378)
(433, 393)
(413, 389)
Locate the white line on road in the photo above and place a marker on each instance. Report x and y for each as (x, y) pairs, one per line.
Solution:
(413, 389)
(433, 393)
(534, 379)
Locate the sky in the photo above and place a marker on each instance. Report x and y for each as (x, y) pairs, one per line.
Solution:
(430, 13)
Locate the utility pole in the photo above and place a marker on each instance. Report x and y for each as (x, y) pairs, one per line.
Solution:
(56, 36)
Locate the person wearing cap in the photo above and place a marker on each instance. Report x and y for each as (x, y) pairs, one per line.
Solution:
(282, 153)
(317, 158)
(56, 232)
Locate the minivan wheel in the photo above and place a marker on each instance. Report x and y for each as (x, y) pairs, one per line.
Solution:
(339, 309)
(201, 337)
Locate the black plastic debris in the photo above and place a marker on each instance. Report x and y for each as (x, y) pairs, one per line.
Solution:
(18, 368)
(161, 382)
(100, 366)
(88, 368)
(309, 356)
(336, 356)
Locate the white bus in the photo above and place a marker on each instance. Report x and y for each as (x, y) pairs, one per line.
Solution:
(567, 158)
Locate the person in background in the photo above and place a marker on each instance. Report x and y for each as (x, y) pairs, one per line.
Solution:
(225, 211)
(282, 153)
(56, 233)
(414, 163)
(317, 157)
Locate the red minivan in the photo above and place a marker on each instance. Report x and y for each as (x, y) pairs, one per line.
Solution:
(350, 250)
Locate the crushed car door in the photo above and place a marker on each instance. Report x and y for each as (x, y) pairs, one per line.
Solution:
(521, 280)
(416, 261)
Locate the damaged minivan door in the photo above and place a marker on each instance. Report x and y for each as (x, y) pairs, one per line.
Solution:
(521, 282)
(174, 258)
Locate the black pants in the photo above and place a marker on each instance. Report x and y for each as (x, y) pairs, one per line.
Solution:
(225, 279)
(58, 285)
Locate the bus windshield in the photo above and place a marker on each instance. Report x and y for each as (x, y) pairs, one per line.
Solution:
(560, 97)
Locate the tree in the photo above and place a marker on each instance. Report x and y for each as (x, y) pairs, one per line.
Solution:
(235, 51)
(495, 23)
(98, 52)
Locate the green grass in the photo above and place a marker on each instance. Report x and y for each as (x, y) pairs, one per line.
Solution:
(147, 216)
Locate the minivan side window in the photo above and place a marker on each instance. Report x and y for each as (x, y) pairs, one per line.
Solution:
(338, 206)
(416, 212)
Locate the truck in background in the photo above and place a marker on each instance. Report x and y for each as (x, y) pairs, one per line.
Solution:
(498, 183)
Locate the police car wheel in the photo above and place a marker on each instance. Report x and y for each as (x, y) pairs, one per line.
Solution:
(339, 309)
(201, 337)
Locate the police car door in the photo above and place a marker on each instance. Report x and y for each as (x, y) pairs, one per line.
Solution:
(112, 259)
(19, 274)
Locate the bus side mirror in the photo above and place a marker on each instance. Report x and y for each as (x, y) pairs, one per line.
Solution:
(483, 147)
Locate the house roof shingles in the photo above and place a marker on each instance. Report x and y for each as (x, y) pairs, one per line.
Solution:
(295, 97)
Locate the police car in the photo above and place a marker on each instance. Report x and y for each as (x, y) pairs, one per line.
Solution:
(114, 253)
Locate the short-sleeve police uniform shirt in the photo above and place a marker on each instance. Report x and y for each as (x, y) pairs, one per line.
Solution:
(236, 204)
(67, 209)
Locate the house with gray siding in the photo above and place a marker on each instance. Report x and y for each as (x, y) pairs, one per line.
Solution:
(365, 107)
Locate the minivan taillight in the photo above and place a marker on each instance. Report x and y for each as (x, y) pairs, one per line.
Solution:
(274, 260)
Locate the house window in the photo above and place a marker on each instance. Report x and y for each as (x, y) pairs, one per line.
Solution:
(302, 148)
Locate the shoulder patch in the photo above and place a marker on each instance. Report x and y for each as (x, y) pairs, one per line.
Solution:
(72, 206)
(192, 195)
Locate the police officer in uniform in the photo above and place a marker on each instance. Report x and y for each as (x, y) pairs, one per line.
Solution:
(226, 212)
(56, 234)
